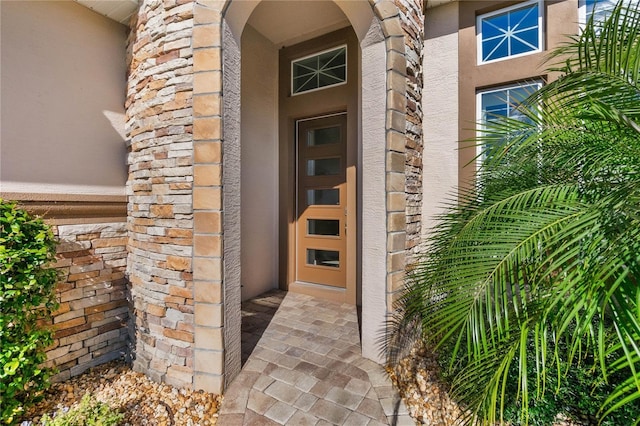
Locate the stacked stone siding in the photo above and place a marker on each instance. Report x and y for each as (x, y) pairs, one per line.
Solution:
(160, 188)
(91, 323)
(412, 21)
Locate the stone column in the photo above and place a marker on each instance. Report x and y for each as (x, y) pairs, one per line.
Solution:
(412, 21)
(160, 189)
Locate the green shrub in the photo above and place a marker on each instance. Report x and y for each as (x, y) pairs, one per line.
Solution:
(89, 412)
(27, 299)
(578, 396)
(545, 237)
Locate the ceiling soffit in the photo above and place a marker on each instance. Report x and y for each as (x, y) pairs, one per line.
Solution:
(286, 23)
(117, 10)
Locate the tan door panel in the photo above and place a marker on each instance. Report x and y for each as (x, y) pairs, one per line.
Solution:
(321, 228)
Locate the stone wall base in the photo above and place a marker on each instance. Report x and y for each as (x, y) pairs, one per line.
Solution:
(91, 324)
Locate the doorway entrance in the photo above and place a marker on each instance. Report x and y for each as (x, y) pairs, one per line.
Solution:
(318, 140)
(321, 229)
(258, 113)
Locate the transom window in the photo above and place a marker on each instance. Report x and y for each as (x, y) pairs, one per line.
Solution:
(509, 32)
(319, 71)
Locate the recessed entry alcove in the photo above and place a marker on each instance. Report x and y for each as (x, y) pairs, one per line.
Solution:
(279, 231)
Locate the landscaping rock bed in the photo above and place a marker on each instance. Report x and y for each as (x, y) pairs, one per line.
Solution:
(425, 396)
(142, 401)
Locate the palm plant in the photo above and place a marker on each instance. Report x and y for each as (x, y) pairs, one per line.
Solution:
(534, 271)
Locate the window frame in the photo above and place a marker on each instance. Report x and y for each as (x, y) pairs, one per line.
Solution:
(583, 13)
(541, 30)
(346, 69)
(537, 81)
(584, 10)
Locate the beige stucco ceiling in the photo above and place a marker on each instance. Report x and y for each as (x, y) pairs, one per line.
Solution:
(118, 10)
(286, 22)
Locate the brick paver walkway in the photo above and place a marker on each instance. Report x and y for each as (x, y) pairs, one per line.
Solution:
(305, 368)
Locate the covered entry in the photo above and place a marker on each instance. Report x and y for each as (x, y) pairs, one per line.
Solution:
(288, 145)
(273, 191)
(318, 135)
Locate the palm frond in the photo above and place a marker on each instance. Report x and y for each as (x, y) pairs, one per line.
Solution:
(537, 264)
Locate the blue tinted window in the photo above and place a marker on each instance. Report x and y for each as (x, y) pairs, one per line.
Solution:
(504, 102)
(493, 27)
(498, 48)
(601, 9)
(509, 33)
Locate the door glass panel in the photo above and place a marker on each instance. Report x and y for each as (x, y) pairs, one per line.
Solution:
(326, 136)
(323, 197)
(323, 227)
(323, 258)
(323, 167)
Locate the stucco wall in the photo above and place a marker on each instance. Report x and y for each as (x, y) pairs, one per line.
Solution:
(63, 90)
(440, 105)
(259, 181)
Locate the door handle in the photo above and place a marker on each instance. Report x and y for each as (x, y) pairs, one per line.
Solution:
(345, 222)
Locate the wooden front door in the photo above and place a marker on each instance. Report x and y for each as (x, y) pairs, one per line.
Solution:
(321, 228)
(318, 109)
